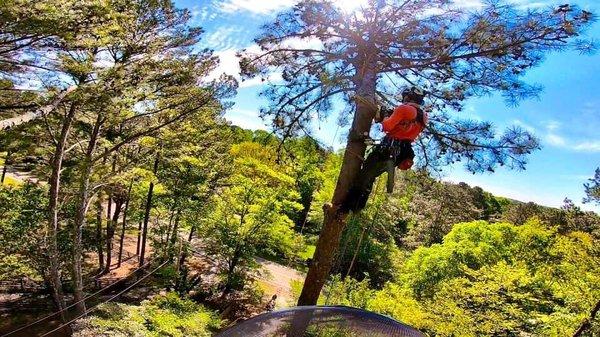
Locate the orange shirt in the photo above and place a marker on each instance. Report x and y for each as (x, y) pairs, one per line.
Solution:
(401, 124)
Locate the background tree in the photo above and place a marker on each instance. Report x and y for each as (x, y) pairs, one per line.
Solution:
(366, 55)
(592, 189)
(250, 216)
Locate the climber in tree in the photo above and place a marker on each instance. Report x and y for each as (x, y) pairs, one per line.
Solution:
(402, 125)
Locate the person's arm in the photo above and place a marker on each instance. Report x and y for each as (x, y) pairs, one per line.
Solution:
(401, 113)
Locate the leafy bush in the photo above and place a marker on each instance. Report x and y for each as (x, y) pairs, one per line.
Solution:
(490, 280)
(168, 315)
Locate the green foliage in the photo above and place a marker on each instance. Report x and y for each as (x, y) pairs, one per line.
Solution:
(250, 215)
(492, 280)
(22, 210)
(330, 171)
(167, 315)
(592, 189)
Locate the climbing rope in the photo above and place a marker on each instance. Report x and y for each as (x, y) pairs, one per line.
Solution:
(340, 254)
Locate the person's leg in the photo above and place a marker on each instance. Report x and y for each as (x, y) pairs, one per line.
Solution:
(404, 152)
(374, 166)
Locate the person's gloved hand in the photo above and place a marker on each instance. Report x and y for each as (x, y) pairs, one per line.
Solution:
(406, 164)
(382, 113)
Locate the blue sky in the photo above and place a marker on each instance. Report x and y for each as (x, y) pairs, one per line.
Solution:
(566, 117)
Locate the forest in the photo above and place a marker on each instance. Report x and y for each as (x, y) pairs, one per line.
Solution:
(127, 196)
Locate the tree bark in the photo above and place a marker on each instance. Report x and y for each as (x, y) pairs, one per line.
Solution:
(174, 236)
(5, 167)
(99, 245)
(53, 226)
(122, 238)
(335, 218)
(41, 112)
(139, 238)
(83, 200)
(147, 214)
(110, 233)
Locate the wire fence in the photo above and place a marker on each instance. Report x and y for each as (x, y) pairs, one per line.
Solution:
(97, 293)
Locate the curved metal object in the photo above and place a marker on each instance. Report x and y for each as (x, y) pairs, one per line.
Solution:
(321, 321)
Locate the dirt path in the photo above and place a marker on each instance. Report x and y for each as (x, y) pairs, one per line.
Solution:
(279, 279)
(19, 175)
(274, 278)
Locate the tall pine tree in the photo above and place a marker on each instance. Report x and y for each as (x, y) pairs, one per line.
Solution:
(364, 56)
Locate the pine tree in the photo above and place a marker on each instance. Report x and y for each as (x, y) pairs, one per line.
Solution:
(324, 53)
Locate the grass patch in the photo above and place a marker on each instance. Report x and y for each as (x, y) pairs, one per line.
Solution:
(12, 182)
(308, 252)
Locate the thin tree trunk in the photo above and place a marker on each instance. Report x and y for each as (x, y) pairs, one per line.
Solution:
(122, 238)
(174, 235)
(99, 241)
(335, 218)
(5, 166)
(304, 213)
(109, 203)
(587, 324)
(139, 238)
(184, 254)
(167, 240)
(182, 280)
(52, 229)
(147, 214)
(110, 223)
(110, 233)
(82, 207)
(230, 270)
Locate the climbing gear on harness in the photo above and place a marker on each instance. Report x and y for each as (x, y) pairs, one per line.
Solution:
(386, 156)
(382, 113)
(414, 94)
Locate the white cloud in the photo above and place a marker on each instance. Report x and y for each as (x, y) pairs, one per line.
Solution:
(229, 65)
(248, 119)
(588, 146)
(261, 7)
(552, 125)
(468, 3)
(524, 125)
(555, 140)
(226, 37)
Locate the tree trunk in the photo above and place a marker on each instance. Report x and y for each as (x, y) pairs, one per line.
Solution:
(147, 214)
(110, 223)
(82, 207)
(167, 240)
(335, 218)
(174, 236)
(304, 213)
(183, 271)
(110, 233)
(99, 245)
(139, 238)
(53, 226)
(122, 238)
(5, 166)
(230, 270)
